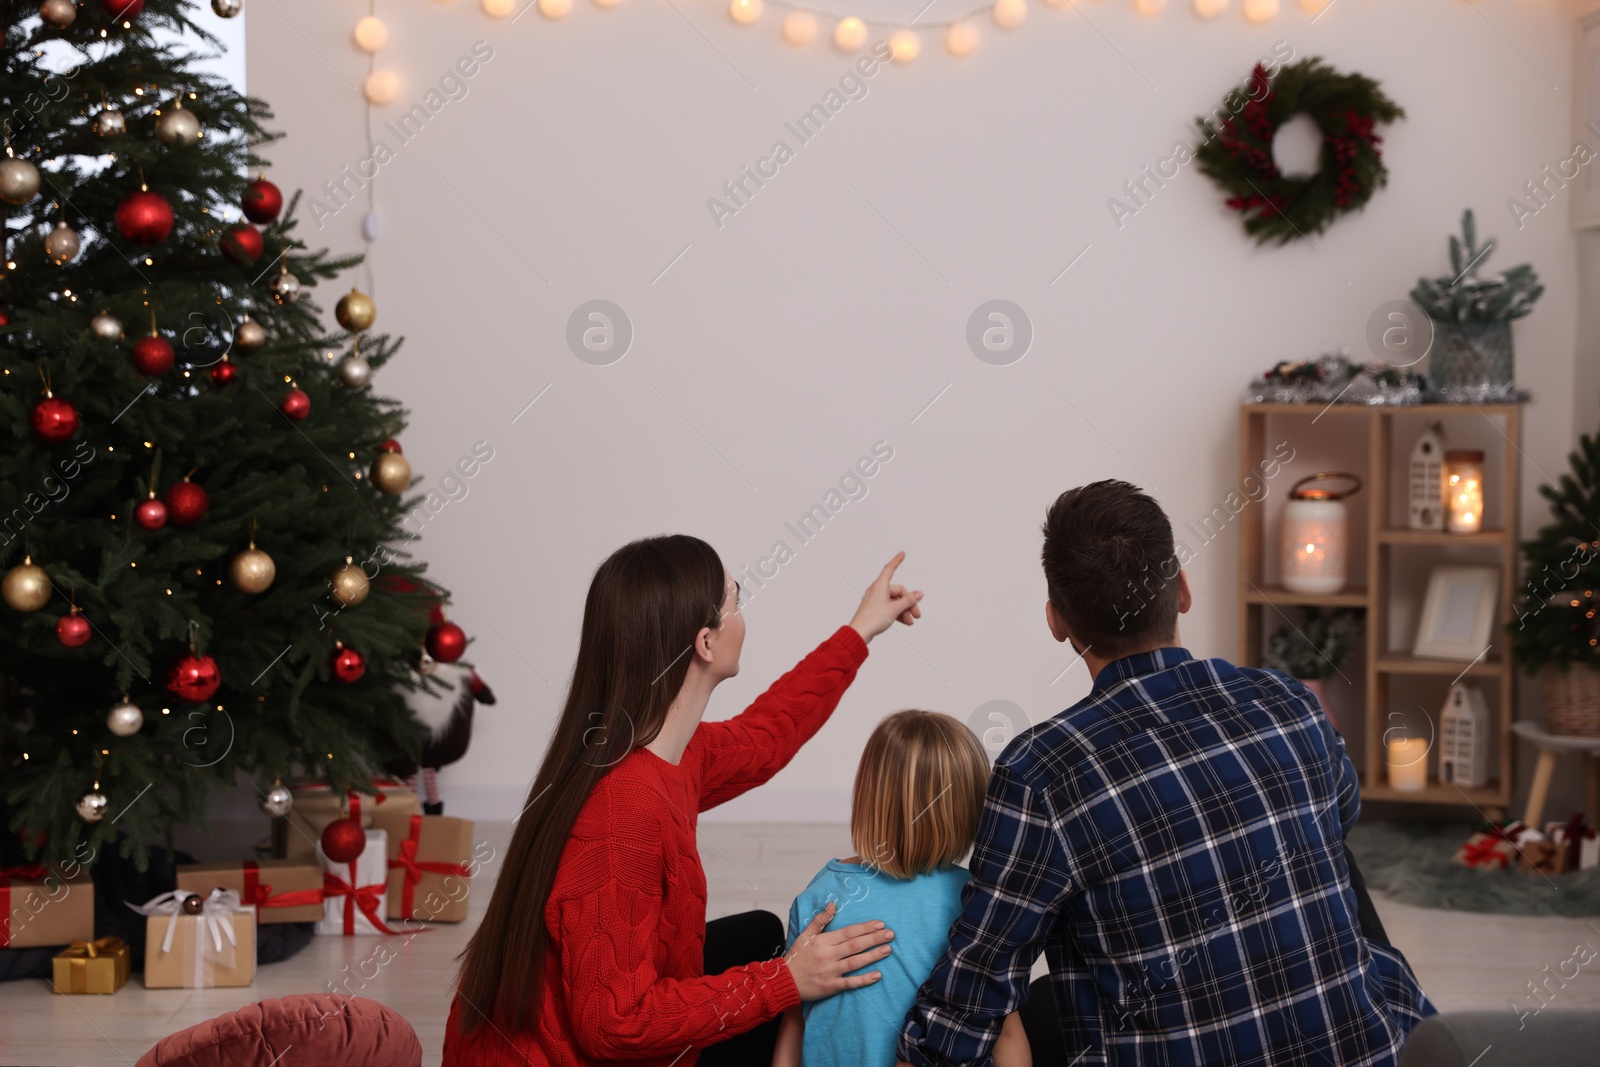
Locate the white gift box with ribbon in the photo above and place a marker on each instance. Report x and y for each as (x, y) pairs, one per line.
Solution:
(353, 893)
(216, 947)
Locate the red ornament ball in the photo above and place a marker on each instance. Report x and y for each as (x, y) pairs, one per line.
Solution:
(391, 445)
(151, 514)
(54, 419)
(144, 217)
(343, 840)
(446, 642)
(122, 10)
(194, 677)
(187, 503)
(242, 243)
(5, 319)
(153, 355)
(296, 404)
(224, 372)
(348, 665)
(73, 630)
(261, 201)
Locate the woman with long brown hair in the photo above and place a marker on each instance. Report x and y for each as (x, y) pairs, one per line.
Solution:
(595, 948)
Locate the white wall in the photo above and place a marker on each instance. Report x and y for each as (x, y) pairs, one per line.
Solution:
(829, 312)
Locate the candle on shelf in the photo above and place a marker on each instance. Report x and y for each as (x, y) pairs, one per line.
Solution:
(1314, 538)
(1408, 764)
(1463, 476)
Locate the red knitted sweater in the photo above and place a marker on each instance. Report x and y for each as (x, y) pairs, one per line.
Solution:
(627, 913)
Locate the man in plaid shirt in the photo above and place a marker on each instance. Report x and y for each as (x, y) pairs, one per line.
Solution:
(1174, 843)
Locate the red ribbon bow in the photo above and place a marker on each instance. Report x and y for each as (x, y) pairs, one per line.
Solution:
(413, 868)
(33, 872)
(366, 897)
(1576, 832)
(261, 896)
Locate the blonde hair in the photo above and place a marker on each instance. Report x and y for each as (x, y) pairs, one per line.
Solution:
(918, 793)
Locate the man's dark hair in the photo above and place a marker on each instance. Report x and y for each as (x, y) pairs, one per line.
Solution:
(1110, 567)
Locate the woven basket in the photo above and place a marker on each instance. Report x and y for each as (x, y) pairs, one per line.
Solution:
(1572, 701)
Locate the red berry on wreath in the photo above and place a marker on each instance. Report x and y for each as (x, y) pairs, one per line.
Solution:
(144, 217)
(153, 355)
(242, 243)
(151, 514)
(296, 404)
(446, 642)
(261, 201)
(73, 630)
(343, 840)
(187, 503)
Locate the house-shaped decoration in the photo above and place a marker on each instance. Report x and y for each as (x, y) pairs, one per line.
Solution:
(1426, 483)
(1464, 737)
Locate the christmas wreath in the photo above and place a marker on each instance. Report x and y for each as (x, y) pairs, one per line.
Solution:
(1238, 154)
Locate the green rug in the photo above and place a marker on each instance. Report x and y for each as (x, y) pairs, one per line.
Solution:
(1413, 863)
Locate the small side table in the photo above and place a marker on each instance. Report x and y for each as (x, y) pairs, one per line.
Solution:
(1551, 746)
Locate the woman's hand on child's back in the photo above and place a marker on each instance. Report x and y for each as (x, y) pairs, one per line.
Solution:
(821, 958)
(884, 602)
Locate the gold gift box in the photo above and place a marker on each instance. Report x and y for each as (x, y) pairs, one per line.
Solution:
(99, 966)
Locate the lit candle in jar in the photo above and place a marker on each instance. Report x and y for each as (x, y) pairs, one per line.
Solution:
(1408, 764)
(1315, 535)
(1463, 475)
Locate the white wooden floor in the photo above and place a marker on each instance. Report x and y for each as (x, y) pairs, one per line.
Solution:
(1464, 960)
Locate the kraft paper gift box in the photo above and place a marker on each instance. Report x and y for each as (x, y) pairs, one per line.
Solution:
(212, 949)
(38, 908)
(316, 805)
(281, 891)
(1577, 840)
(99, 966)
(352, 893)
(428, 869)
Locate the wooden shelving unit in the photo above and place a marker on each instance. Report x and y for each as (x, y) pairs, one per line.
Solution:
(1388, 666)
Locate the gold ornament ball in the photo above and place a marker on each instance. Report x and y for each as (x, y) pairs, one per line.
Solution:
(349, 584)
(177, 127)
(26, 586)
(19, 180)
(252, 571)
(391, 473)
(249, 335)
(58, 13)
(92, 806)
(62, 245)
(355, 311)
(125, 719)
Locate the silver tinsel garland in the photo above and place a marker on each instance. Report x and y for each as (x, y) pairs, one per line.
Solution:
(1335, 378)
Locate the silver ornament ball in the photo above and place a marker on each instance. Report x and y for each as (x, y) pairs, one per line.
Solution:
(92, 806)
(19, 180)
(177, 127)
(62, 245)
(106, 325)
(285, 288)
(249, 335)
(355, 371)
(277, 802)
(227, 8)
(58, 13)
(125, 719)
(110, 123)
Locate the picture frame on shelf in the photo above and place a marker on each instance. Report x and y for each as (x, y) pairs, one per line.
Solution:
(1458, 612)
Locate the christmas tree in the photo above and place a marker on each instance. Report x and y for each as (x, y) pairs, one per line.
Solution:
(200, 497)
(1557, 620)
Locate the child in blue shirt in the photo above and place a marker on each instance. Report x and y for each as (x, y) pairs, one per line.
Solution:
(918, 796)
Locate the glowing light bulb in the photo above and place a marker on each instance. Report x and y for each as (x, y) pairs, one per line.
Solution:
(554, 9)
(1149, 7)
(1210, 9)
(371, 34)
(1259, 10)
(1314, 7)
(960, 39)
(800, 28)
(382, 86)
(850, 34)
(904, 46)
(1008, 14)
(744, 12)
(497, 9)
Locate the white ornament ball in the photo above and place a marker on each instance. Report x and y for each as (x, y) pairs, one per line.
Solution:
(961, 39)
(1009, 14)
(355, 371)
(800, 28)
(177, 127)
(106, 325)
(850, 34)
(110, 122)
(904, 46)
(285, 288)
(92, 806)
(125, 719)
(59, 13)
(372, 225)
(277, 802)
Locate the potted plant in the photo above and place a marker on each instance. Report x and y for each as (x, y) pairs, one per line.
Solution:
(1555, 631)
(1315, 651)
(1472, 316)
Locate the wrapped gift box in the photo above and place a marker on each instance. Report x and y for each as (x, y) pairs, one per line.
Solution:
(1492, 846)
(1540, 855)
(428, 871)
(99, 966)
(281, 891)
(1575, 832)
(214, 948)
(316, 805)
(39, 907)
(353, 893)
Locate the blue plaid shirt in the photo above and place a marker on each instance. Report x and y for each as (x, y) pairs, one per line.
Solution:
(1174, 844)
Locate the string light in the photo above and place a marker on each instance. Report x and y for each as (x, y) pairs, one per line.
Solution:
(850, 34)
(904, 46)
(1008, 14)
(800, 28)
(961, 39)
(381, 87)
(744, 12)
(1149, 7)
(371, 34)
(498, 9)
(554, 9)
(1259, 10)
(1210, 9)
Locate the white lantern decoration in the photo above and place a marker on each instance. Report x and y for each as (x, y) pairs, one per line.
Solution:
(1464, 737)
(1314, 541)
(1426, 484)
(1463, 479)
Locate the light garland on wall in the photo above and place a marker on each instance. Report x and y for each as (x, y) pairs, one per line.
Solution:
(801, 25)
